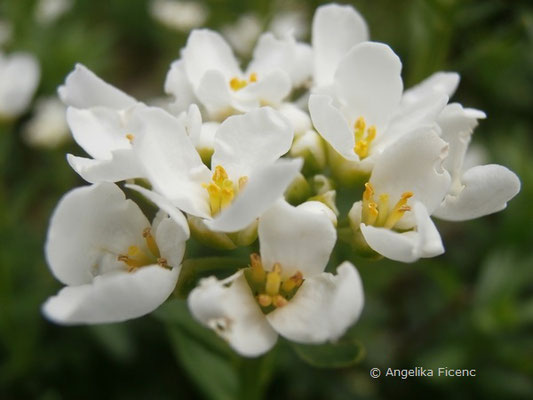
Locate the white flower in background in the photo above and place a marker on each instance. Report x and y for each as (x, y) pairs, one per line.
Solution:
(104, 121)
(246, 175)
(209, 73)
(48, 11)
(361, 119)
(407, 185)
(6, 31)
(243, 33)
(285, 291)
(114, 263)
(179, 15)
(478, 190)
(289, 23)
(335, 30)
(19, 77)
(48, 126)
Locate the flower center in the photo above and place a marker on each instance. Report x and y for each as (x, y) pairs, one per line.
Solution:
(379, 213)
(222, 190)
(270, 289)
(130, 137)
(363, 137)
(137, 257)
(237, 84)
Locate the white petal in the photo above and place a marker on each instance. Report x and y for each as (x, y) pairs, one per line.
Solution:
(268, 90)
(19, 78)
(112, 297)
(264, 187)
(285, 54)
(229, 308)
(368, 80)
(88, 224)
(438, 83)
(171, 162)
(255, 139)
(486, 189)
(122, 165)
(214, 93)
(170, 237)
(407, 246)
(298, 118)
(207, 50)
(413, 164)
(323, 309)
(297, 238)
(457, 125)
(83, 89)
(336, 29)
(332, 125)
(177, 84)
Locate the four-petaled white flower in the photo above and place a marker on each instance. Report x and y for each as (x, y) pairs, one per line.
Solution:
(209, 73)
(19, 77)
(246, 175)
(363, 114)
(479, 190)
(116, 265)
(285, 290)
(407, 185)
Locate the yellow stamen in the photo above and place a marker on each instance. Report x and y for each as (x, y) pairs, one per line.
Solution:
(383, 207)
(264, 300)
(150, 242)
(243, 180)
(273, 280)
(237, 84)
(398, 210)
(372, 213)
(293, 282)
(130, 137)
(253, 77)
(279, 301)
(258, 273)
(362, 141)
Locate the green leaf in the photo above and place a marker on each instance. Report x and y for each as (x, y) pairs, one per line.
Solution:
(207, 359)
(343, 353)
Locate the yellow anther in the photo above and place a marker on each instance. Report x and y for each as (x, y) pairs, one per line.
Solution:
(368, 194)
(253, 77)
(279, 301)
(258, 273)
(130, 137)
(162, 262)
(264, 300)
(214, 197)
(237, 84)
(243, 180)
(398, 210)
(220, 175)
(293, 282)
(150, 242)
(362, 141)
(273, 280)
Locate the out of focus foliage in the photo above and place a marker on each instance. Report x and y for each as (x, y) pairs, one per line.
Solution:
(470, 308)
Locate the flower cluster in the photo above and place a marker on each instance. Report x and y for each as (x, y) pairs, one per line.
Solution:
(257, 154)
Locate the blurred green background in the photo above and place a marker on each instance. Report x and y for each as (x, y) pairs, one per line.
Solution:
(469, 308)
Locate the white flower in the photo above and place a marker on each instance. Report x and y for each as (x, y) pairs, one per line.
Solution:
(361, 118)
(246, 174)
(479, 190)
(180, 15)
(209, 72)
(285, 291)
(47, 11)
(115, 265)
(19, 77)
(407, 185)
(48, 126)
(105, 122)
(289, 23)
(336, 29)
